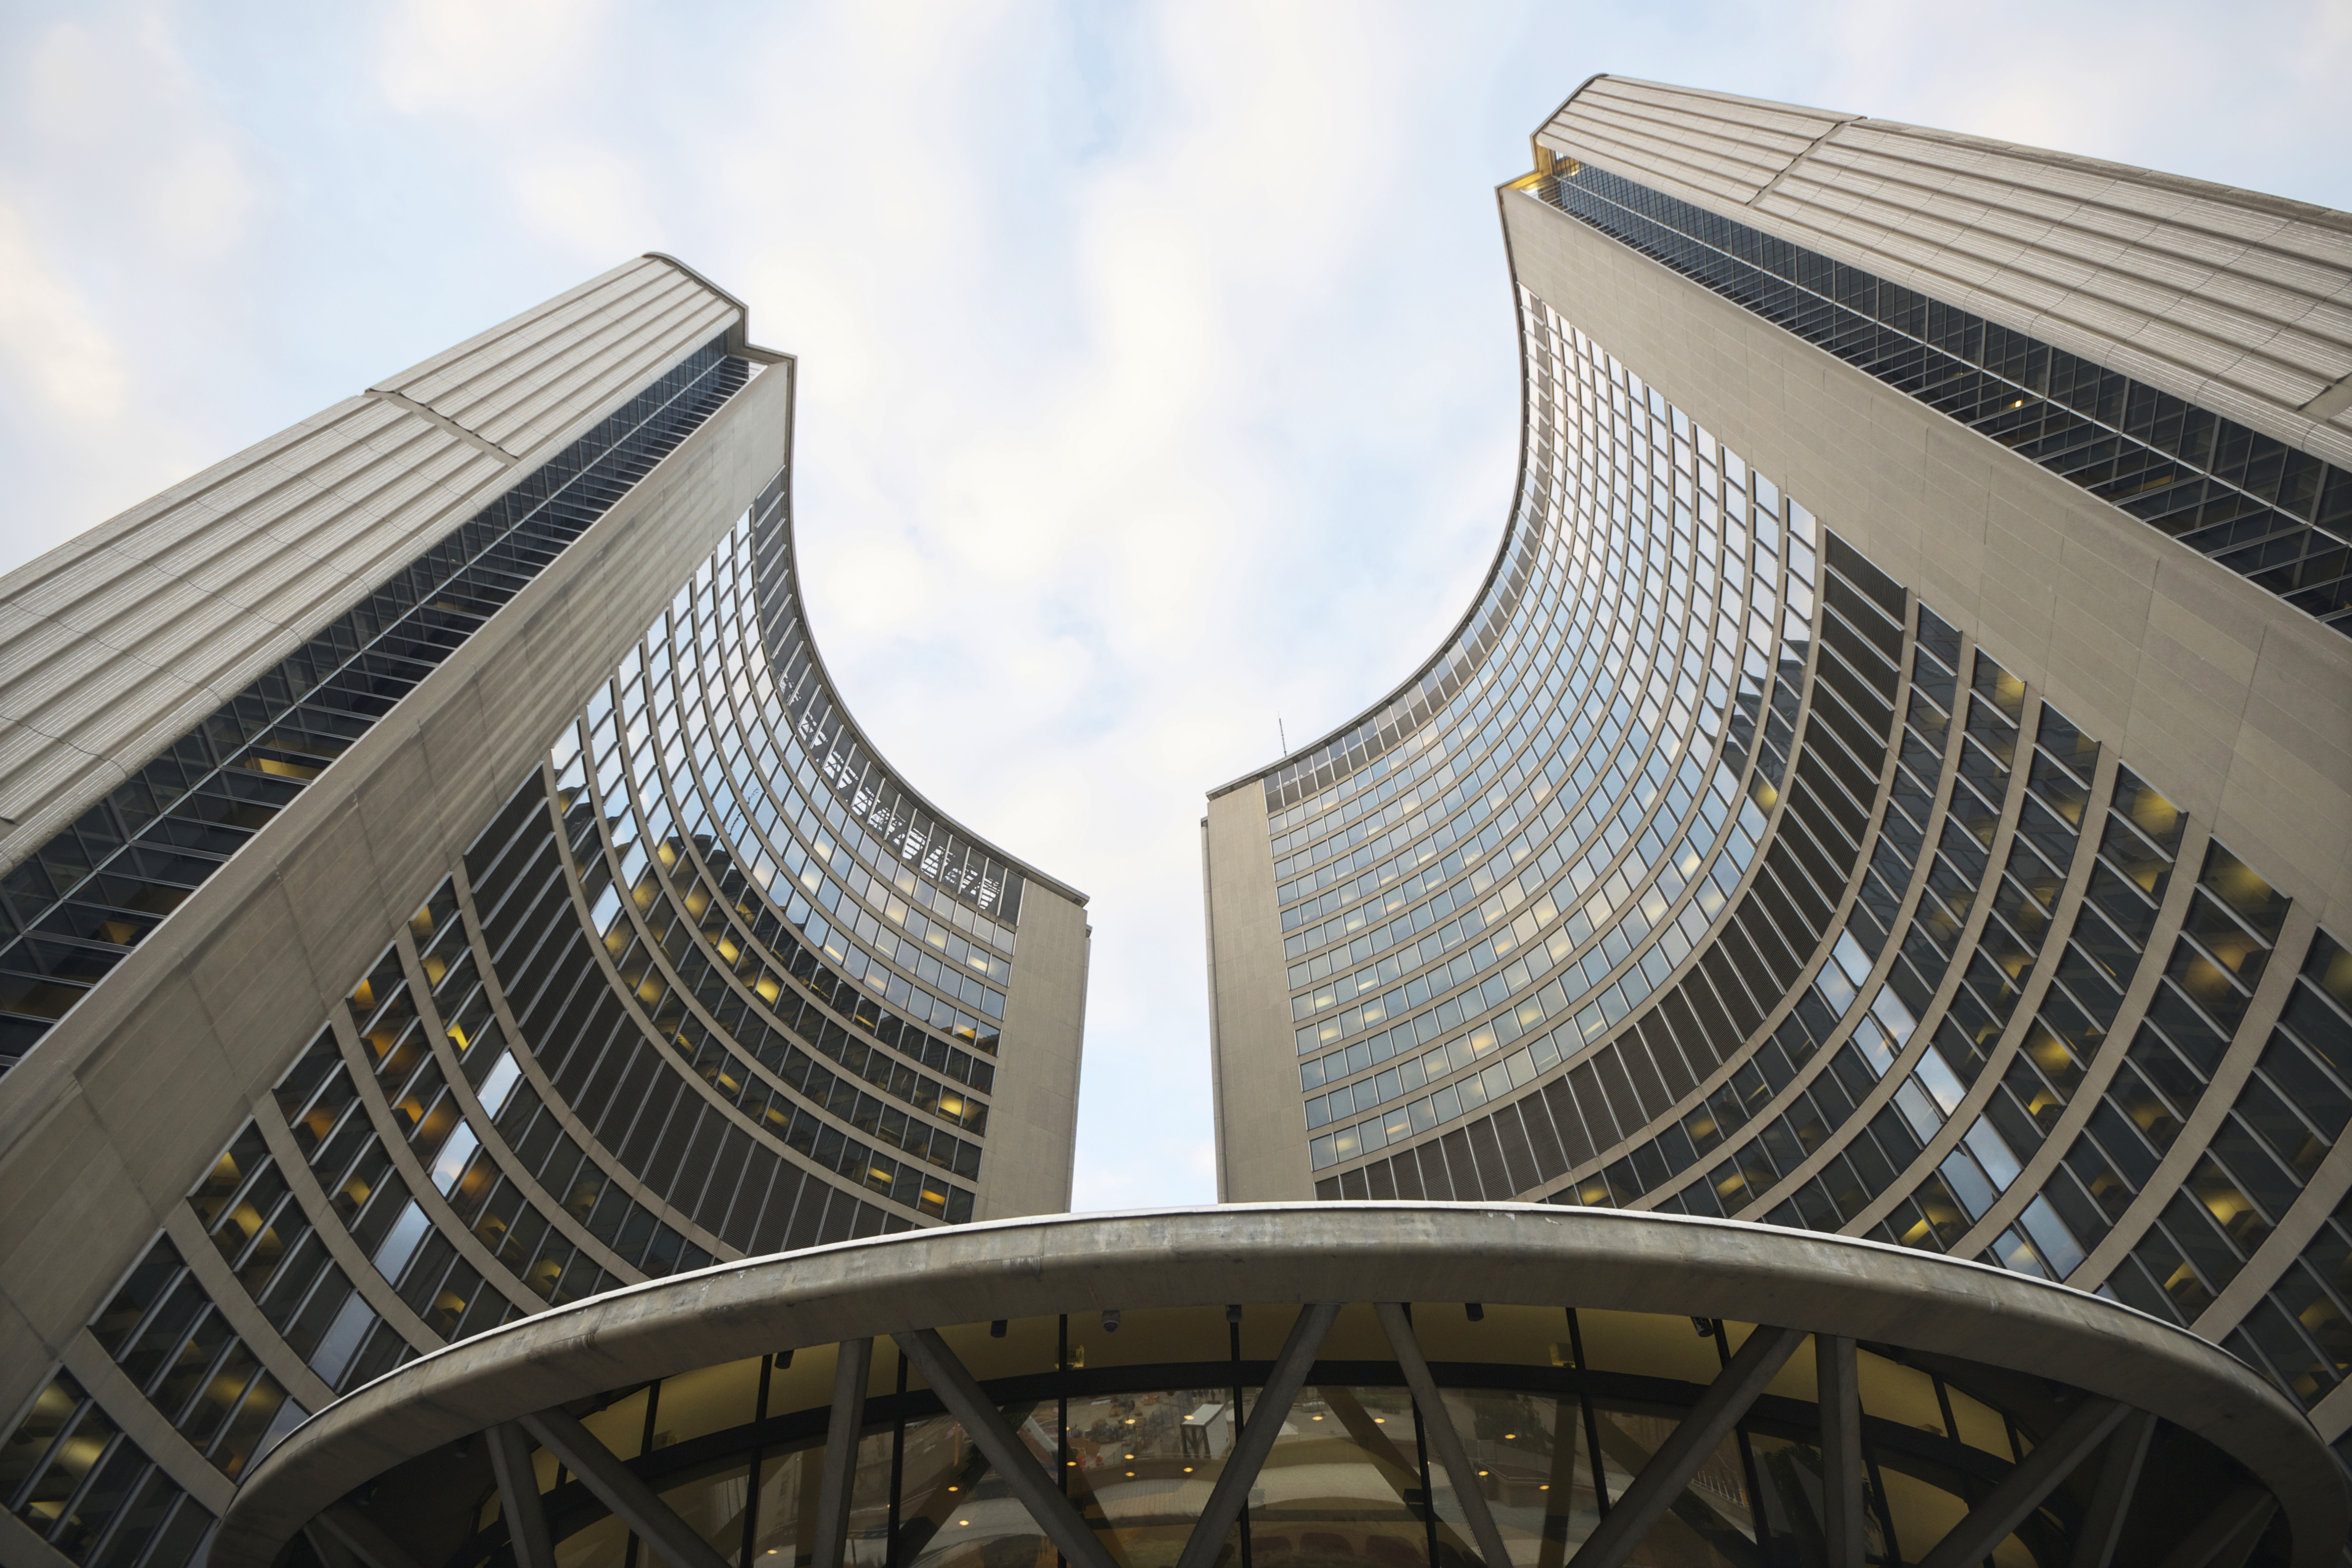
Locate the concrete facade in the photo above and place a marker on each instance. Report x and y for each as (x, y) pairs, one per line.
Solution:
(1258, 1151)
(2192, 671)
(119, 641)
(1739, 1071)
(2231, 299)
(349, 967)
(112, 1118)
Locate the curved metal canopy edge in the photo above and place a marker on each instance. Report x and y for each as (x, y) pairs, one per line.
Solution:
(1520, 1254)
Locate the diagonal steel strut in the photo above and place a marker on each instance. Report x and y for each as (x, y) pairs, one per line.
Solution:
(2111, 1495)
(622, 1490)
(1431, 1412)
(1662, 1480)
(518, 1500)
(1054, 1513)
(1256, 1439)
(2021, 1491)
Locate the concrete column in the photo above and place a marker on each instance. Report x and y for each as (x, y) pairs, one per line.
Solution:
(1842, 1471)
(850, 1372)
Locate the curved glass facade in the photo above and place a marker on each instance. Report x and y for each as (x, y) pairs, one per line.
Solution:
(1559, 1410)
(711, 983)
(1294, 1423)
(81, 902)
(2280, 517)
(1709, 868)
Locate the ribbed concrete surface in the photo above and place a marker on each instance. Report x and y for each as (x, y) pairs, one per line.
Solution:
(109, 1124)
(117, 643)
(2240, 302)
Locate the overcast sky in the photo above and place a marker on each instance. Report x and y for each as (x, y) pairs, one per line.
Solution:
(1157, 368)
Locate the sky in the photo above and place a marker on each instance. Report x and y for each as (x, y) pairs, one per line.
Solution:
(1159, 389)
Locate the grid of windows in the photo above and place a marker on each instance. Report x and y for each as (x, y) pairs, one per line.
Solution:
(170, 1338)
(864, 803)
(507, 1165)
(82, 901)
(2275, 515)
(746, 937)
(90, 1492)
(2050, 791)
(2289, 1111)
(411, 1119)
(271, 1240)
(710, 783)
(1957, 1045)
(1612, 822)
(679, 1110)
(711, 984)
(1799, 1089)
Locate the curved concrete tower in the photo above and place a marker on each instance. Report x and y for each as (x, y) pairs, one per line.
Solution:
(1897, 777)
(443, 884)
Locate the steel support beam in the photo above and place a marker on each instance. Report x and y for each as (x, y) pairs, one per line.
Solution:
(619, 1487)
(852, 1366)
(1662, 1480)
(1844, 1476)
(2111, 1495)
(1054, 1513)
(331, 1549)
(518, 1500)
(359, 1536)
(1438, 1422)
(2225, 1536)
(2021, 1491)
(1254, 1441)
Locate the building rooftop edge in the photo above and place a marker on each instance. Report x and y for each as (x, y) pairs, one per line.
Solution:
(848, 715)
(2186, 184)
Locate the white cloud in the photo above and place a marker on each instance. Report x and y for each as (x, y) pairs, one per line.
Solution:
(589, 199)
(484, 57)
(203, 198)
(56, 347)
(114, 93)
(126, 197)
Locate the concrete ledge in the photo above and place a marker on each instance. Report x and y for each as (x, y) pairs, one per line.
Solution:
(1499, 1253)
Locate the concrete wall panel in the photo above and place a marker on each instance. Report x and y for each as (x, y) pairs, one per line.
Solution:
(2234, 300)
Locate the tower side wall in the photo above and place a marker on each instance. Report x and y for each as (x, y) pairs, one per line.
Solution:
(106, 1127)
(2229, 701)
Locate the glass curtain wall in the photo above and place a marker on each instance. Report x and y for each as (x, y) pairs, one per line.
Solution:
(1558, 1409)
